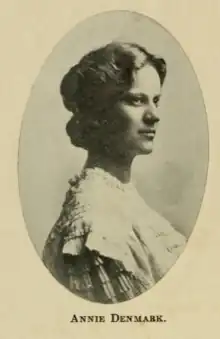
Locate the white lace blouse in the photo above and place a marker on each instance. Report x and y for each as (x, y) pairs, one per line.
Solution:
(121, 226)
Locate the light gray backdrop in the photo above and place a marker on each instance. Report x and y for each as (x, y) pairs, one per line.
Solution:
(171, 180)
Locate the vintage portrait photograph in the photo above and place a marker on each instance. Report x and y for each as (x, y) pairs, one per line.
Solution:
(113, 157)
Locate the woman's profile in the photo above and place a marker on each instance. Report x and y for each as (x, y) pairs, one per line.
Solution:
(108, 245)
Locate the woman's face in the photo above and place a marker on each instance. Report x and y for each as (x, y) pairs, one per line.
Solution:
(136, 114)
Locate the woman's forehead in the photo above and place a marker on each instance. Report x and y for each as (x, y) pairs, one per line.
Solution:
(146, 81)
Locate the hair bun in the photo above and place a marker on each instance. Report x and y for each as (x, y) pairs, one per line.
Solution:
(68, 89)
(74, 132)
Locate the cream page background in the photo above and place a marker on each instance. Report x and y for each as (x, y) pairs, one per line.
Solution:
(33, 305)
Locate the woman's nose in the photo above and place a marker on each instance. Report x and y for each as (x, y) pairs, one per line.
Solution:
(150, 117)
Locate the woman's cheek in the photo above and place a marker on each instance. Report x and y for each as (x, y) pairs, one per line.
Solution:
(134, 115)
(121, 117)
(126, 117)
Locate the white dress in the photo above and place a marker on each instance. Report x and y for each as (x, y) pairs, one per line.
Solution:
(110, 219)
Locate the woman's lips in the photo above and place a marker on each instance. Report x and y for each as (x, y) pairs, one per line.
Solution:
(148, 133)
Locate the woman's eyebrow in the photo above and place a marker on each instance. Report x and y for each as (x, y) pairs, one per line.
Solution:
(140, 95)
(133, 96)
(143, 95)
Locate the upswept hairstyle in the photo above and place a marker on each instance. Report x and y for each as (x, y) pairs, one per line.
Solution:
(100, 78)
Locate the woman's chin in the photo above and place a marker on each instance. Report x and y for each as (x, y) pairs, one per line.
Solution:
(146, 148)
(147, 151)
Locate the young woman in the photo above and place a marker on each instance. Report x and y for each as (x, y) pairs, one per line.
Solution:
(108, 246)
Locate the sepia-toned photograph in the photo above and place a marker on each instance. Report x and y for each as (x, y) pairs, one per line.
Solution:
(113, 157)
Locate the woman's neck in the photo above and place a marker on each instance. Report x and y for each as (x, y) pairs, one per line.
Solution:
(119, 168)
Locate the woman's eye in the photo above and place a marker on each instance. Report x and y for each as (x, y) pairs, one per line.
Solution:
(156, 101)
(137, 101)
(133, 101)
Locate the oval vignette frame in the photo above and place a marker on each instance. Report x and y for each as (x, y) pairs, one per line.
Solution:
(177, 184)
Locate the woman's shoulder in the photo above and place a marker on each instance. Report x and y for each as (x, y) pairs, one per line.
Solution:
(93, 195)
(81, 210)
(78, 198)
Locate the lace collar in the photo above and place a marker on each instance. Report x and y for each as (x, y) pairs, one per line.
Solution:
(99, 175)
(122, 226)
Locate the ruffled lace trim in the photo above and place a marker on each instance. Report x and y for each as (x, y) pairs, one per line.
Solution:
(113, 219)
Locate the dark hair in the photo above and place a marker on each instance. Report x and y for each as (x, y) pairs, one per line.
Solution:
(99, 79)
